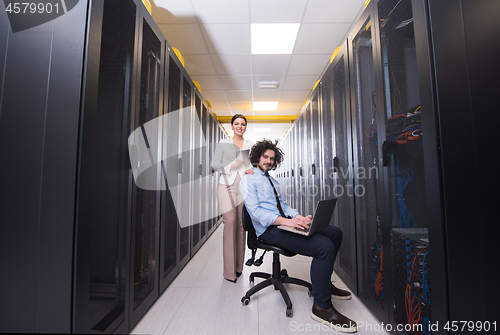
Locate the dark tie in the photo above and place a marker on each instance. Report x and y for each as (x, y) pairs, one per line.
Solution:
(276, 195)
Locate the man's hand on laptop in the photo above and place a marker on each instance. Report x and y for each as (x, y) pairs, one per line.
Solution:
(299, 222)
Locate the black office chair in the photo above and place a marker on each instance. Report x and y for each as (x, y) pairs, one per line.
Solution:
(278, 277)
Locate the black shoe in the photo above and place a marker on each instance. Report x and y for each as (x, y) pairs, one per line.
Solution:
(331, 317)
(232, 281)
(339, 294)
(238, 274)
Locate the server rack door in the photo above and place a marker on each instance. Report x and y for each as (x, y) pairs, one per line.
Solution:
(196, 202)
(294, 170)
(146, 201)
(220, 134)
(315, 191)
(102, 262)
(401, 133)
(372, 261)
(326, 117)
(289, 167)
(307, 161)
(213, 180)
(206, 170)
(303, 161)
(342, 183)
(186, 171)
(170, 197)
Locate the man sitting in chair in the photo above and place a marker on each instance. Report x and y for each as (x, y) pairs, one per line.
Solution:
(260, 193)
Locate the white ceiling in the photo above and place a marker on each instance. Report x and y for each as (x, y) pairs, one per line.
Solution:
(213, 37)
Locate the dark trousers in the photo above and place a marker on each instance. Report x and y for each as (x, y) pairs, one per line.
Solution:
(322, 247)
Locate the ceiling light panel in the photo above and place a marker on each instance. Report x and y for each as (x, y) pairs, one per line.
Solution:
(265, 105)
(268, 84)
(273, 38)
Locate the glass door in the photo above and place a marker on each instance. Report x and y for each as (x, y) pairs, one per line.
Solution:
(197, 199)
(341, 183)
(169, 197)
(403, 162)
(146, 202)
(314, 175)
(101, 293)
(186, 172)
(371, 242)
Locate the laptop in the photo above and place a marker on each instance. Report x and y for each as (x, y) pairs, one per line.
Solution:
(321, 219)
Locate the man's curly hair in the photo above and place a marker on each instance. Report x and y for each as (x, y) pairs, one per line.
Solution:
(260, 147)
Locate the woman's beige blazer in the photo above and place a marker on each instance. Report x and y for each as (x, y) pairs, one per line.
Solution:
(225, 154)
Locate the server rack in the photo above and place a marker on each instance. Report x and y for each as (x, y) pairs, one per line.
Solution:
(91, 249)
(392, 99)
(341, 178)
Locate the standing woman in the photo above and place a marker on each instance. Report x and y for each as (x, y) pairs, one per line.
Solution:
(230, 159)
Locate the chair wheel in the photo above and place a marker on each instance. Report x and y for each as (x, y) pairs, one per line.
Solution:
(289, 312)
(284, 273)
(310, 292)
(245, 301)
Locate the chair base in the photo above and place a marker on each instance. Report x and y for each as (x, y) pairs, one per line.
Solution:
(277, 279)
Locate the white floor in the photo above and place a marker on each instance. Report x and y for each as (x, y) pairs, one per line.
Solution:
(201, 301)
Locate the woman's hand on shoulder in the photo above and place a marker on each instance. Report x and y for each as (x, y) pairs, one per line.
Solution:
(249, 171)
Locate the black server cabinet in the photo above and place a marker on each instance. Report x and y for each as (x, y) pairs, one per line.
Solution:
(307, 160)
(302, 161)
(390, 218)
(400, 132)
(146, 206)
(197, 230)
(294, 134)
(169, 262)
(418, 251)
(185, 170)
(206, 171)
(117, 251)
(460, 98)
(314, 170)
(340, 177)
(91, 248)
(363, 114)
(103, 223)
(39, 118)
(175, 201)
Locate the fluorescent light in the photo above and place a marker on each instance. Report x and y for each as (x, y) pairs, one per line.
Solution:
(273, 38)
(265, 105)
(268, 84)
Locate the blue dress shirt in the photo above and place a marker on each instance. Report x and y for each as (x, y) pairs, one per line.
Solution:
(260, 201)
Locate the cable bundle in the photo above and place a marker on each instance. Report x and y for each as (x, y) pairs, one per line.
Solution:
(402, 128)
(404, 177)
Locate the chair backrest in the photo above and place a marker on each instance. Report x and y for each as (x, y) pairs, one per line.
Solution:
(247, 221)
(248, 226)
(253, 242)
